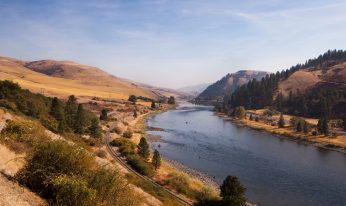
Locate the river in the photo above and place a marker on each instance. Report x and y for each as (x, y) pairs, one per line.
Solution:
(275, 171)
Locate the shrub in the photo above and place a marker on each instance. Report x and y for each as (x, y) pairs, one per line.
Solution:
(128, 134)
(126, 147)
(72, 191)
(51, 159)
(26, 132)
(179, 182)
(239, 112)
(101, 153)
(141, 166)
(117, 130)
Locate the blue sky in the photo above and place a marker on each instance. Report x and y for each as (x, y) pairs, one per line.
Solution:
(173, 43)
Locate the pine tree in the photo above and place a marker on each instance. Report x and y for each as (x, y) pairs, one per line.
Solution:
(104, 115)
(171, 100)
(80, 120)
(143, 147)
(95, 129)
(153, 105)
(132, 98)
(322, 126)
(70, 111)
(281, 122)
(299, 126)
(306, 127)
(135, 115)
(57, 112)
(156, 160)
(232, 192)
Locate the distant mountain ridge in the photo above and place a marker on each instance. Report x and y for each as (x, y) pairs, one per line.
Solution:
(194, 89)
(230, 82)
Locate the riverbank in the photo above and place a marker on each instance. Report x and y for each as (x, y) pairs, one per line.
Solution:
(337, 144)
(171, 173)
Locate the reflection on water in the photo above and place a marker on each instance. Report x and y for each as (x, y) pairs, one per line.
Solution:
(274, 170)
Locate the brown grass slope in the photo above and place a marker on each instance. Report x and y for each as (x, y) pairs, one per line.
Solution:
(306, 79)
(63, 78)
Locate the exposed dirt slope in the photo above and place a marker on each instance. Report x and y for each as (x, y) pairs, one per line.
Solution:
(303, 80)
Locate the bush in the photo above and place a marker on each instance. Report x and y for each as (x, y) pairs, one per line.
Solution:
(27, 133)
(141, 166)
(51, 159)
(126, 147)
(72, 191)
(117, 130)
(239, 112)
(101, 153)
(179, 182)
(128, 134)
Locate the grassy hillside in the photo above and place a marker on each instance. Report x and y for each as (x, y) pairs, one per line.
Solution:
(64, 78)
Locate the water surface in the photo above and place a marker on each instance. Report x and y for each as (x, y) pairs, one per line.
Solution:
(275, 171)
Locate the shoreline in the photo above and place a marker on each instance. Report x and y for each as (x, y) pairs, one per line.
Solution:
(293, 138)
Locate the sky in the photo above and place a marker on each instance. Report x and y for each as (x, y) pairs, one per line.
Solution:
(173, 43)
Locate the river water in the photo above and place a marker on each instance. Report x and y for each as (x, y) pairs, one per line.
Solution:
(275, 171)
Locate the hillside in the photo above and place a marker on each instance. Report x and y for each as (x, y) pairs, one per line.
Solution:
(64, 78)
(230, 82)
(313, 89)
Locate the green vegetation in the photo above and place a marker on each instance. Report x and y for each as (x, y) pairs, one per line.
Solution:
(95, 129)
(171, 100)
(68, 175)
(54, 114)
(21, 134)
(143, 148)
(140, 165)
(300, 125)
(104, 115)
(153, 105)
(344, 123)
(132, 98)
(128, 134)
(322, 126)
(156, 161)
(239, 112)
(281, 122)
(126, 147)
(232, 192)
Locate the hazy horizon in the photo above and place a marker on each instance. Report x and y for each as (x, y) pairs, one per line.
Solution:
(173, 44)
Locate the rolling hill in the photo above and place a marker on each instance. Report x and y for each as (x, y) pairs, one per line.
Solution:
(230, 82)
(63, 78)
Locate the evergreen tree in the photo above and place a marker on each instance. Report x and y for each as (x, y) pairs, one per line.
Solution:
(153, 105)
(279, 101)
(156, 159)
(70, 111)
(57, 112)
(322, 126)
(344, 123)
(80, 120)
(95, 129)
(135, 115)
(104, 115)
(300, 126)
(143, 147)
(251, 117)
(306, 127)
(171, 100)
(133, 98)
(232, 192)
(281, 122)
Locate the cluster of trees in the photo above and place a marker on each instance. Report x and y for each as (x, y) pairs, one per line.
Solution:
(300, 125)
(53, 113)
(72, 116)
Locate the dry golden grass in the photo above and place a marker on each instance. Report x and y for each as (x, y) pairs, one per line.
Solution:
(89, 82)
